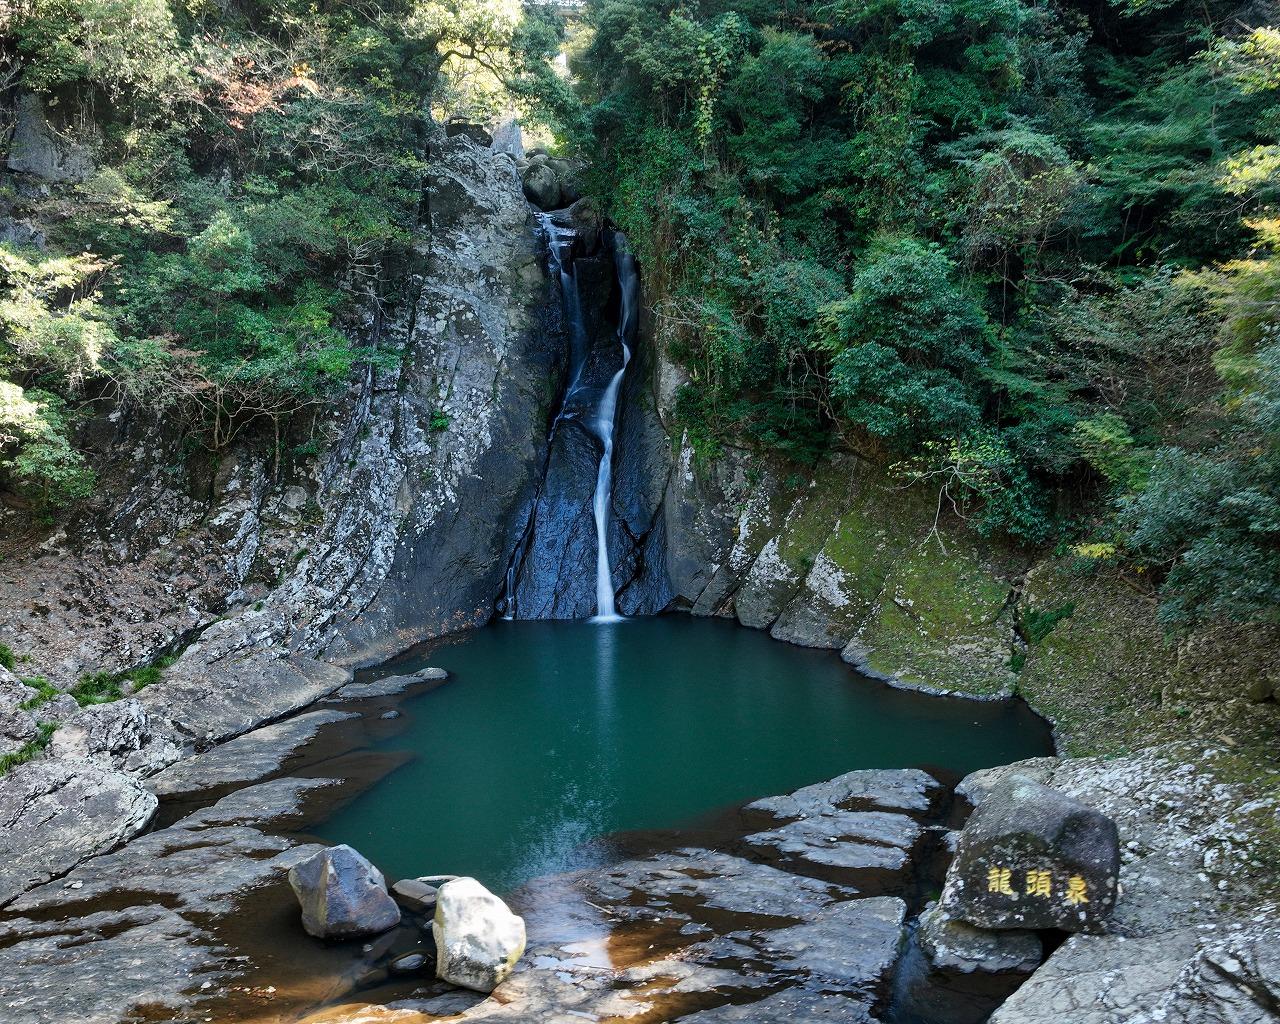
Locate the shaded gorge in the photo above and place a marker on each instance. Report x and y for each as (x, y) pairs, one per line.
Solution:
(552, 737)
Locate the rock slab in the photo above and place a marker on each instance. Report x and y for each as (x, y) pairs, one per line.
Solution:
(342, 895)
(954, 947)
(56, 812)
(478, 939)
(1031, 857)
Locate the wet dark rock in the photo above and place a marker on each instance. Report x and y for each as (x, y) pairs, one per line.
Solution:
(245, 759)
(956, 947)
(814, 934)
(390, 686)
(122, 734)
(791, 1007)
(552, 582)
(342, 895)
(703, 882)
(854, 847)
(55, 812)
(63, 959)
(417, 895)
(411, 963)
(908, 790)
(853, 944)
(1032, 857)
(469, 130)
(542, 186)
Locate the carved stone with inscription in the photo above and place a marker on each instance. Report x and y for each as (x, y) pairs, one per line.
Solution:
(1031, 857)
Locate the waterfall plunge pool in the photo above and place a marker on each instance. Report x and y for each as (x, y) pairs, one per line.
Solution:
(551, 737)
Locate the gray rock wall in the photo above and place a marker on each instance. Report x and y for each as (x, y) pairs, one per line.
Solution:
(397, 532)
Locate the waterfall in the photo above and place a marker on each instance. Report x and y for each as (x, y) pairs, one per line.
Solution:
(606, 611)
(569, 524)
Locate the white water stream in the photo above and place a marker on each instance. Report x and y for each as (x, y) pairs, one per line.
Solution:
(606, 415)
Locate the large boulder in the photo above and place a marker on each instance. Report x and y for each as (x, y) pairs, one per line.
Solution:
(1031, 857)
(478, 939)
(542, 186)
(342, 895)
(122, 734)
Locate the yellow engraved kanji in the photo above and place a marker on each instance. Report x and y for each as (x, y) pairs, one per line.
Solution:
(1039, 883)
(998, 881)
(1077, 892)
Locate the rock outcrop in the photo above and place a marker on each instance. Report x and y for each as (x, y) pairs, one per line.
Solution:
(136, 931)
(123, 735)
(1032, 858)
(54, 813)
(398, 532)
(39, 149)
(342, 895)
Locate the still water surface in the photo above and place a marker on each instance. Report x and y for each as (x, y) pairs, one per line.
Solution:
(551, 735)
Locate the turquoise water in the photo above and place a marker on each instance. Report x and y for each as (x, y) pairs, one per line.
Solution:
(551, 735)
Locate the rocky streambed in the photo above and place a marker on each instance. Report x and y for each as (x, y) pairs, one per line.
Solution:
(804, 906)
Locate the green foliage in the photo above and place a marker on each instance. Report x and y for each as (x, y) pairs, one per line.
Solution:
(6, 657)
(1037, 624)
(104, 687)
(439, 421)
(28, 751)
(258, 179)
(908, 346)
(1021, 251)
(45, 692)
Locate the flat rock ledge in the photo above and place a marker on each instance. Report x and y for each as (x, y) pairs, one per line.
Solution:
(133, 929)
(56, 812)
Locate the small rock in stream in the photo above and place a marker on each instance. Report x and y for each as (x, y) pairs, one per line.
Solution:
(415, 894)
(955, 947)
(342, 895)
(409, 963)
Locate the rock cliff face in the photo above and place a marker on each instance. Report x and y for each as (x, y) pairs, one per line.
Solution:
(848, 558)
(399, 531)
(271, 583)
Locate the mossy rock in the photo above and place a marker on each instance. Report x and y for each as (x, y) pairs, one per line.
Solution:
(1100, 672)
(845, 577)
(942, 621)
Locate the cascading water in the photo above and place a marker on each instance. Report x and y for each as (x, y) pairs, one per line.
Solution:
(606, 610)
(569, 524)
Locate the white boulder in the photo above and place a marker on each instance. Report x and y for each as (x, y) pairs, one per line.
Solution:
(478, 939)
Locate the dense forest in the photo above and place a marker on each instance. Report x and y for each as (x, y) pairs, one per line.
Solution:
(1020, 252)
(1023, 251)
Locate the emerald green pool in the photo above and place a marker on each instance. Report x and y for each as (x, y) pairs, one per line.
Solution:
(550, 736)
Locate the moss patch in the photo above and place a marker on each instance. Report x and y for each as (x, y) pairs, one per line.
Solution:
(942, 621)
(28, 751)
